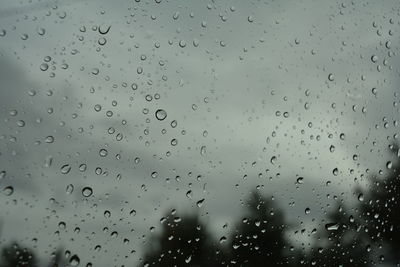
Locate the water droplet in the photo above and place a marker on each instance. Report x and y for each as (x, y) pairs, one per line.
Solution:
(189, 194)
(65, 169)
(70, 189)
(332, 226)
(102, 41)
(41, 31)
(74, 260)
(307, 211)
(174, 123)
(44, 66)
(161, 114)
(8, 190)
(389, 165)
(331, 77)
(203, 150)
(104, 29)
(107, 214)
(154, 175)
(335, 171)
(103, 152)
(174, 142)
(49, 139)
(82, 167)
(200, 203)
(300, 180)
(87, 191)
(332, 148)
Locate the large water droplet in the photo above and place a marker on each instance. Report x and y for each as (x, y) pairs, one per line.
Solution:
(332, 226)
(87, 191)
(74, 260)
(161, 114)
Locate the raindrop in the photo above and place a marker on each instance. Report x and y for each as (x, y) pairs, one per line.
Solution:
(174, 142)
(332, 226)
(203, 150)
(200, 203)
(82, 167)
(104, 29)
(107, 214)
(300, 180)
(8, 190)
(49, 139)
(44, 66)
(331, 77)
(65, 168)
(70, 189)
(87, 191)
(103, 152)
(74, 260)
(335, 171)
(161, 114)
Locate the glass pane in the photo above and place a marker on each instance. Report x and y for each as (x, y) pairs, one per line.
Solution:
(199, 133)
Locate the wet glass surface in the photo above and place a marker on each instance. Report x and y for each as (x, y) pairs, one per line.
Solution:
(199, 133)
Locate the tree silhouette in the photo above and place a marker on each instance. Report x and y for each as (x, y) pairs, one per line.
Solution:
(340, 241)
(259, 239)
(184, 241)
(15, 256)
(381, 209)
(57, 259)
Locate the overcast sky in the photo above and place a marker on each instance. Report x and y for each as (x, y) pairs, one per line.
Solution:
(265, 87)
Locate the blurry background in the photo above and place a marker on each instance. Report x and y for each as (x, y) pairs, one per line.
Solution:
(125, 124)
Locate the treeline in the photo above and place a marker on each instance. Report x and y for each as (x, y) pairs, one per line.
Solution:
(365, 234)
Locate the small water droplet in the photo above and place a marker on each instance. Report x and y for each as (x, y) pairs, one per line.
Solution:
(203, 150)
(103, 152)
(200, 203)
(70, 189)
(65, 168)
(8, 190)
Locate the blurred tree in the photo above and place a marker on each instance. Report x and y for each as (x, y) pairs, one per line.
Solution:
(57, 259)
(380, 206)
(15, 256)
(259, 239)
(340, 241)
(184, 241)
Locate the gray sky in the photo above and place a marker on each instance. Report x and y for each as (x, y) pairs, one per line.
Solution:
(248, 80)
